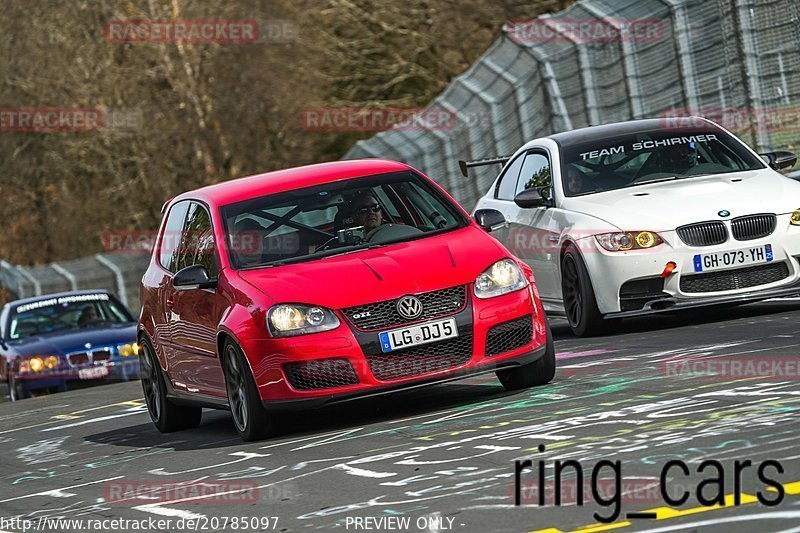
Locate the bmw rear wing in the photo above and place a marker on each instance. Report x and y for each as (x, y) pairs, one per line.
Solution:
(464, 165)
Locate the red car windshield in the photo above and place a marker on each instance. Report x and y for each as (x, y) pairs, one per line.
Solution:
(335, 218)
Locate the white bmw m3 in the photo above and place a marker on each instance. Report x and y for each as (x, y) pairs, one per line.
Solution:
(647, 216)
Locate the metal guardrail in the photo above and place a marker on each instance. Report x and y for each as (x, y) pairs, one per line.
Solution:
(715, 57)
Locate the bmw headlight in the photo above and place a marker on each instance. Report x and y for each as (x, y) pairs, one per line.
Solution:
(622, 242)
(795, 218)
(286, 320)
(501, 278)
(36, 364)
(127, 350)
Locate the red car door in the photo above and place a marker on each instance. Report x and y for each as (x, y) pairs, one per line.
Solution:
(195, 313)
(165, 292)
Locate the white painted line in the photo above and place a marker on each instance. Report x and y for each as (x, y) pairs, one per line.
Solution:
(46, 492)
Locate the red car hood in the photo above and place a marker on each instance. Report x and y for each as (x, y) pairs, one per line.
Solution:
(385, 273)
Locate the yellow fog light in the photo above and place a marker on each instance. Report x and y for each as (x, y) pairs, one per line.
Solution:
(36, 364)
(51, 362)
(795, 218)
(646, 239)
(127, 350)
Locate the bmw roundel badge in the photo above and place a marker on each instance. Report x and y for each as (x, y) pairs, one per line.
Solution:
(724, 213)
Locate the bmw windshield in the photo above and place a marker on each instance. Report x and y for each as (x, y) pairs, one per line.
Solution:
(334, 218)
(652, 156)
(65, 313)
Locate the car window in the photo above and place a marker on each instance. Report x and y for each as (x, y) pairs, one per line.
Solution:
(650, 155)
(340, 216)
(197, 241)
(535, 172)
(65, 313)
(507, 186)
(171, 235)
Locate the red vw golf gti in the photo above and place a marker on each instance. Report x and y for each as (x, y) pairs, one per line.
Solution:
(317, 284)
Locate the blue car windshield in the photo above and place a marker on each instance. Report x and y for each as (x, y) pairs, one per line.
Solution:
(65, 313)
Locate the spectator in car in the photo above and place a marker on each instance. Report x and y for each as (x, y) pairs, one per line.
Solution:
(248, 242)
(88, 316)
(574, 180)
(366, 211)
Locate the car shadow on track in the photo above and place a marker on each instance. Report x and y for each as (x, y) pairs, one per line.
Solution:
(419, 405)
(689, 317)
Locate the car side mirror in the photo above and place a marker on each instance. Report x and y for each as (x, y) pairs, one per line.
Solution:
(531, 198)
(490, 219)
(193, 277)
(779, 160)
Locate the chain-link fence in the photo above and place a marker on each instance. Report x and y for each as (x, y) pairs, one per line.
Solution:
(600, 61)
(734, 61)
(119, 273)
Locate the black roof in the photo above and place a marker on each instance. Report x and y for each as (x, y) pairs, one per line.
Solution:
(595, 133)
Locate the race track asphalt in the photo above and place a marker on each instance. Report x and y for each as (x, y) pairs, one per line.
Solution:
(443, 457)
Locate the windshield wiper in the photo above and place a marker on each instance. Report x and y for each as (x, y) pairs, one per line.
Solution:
(657, 180)
(311, 257)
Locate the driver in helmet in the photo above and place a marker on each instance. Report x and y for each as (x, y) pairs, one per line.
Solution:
(679, 158)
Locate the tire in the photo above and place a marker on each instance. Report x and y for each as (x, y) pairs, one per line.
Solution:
(166, 416)
(580, 303)
(251, 420)
(539, 372)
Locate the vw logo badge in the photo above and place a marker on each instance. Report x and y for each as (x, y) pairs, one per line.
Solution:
(724, 213)
(409, 307)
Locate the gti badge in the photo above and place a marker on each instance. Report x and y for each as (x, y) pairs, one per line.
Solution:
(724, 213)
(409, 307)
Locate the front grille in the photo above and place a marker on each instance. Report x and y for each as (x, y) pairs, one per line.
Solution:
(423, 359)
(384, 314)
(77, 359)
(753, 226)
(101, 355)
(738, 278)
(703, 233)
(320, 374)
(509, 335)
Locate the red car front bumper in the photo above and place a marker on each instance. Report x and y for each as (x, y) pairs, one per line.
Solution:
(347, 362)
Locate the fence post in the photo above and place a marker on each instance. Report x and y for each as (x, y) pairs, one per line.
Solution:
(37, 285)
(73, 281)
(752, 73)
(122, 292)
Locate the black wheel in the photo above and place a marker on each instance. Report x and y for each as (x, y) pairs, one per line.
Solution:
(166, 415)
(580, 304)
(251, 420)
(532, 374)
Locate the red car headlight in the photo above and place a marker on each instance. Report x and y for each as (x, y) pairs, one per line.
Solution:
(287, 320)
